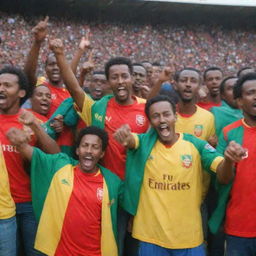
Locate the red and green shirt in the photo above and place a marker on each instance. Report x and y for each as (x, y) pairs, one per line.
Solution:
(241, 209)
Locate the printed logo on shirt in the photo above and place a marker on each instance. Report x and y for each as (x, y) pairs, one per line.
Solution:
(140, 120)
(98, 117)
(100, 194)
(65, 182)
(186, 161)
(54, 96)
(9, 148)
(198, 130)
(150, 157)
(209, 148)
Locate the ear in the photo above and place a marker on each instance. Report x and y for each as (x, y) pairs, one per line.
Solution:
(22, 93)
(102, 154)
(77, 151)
(239, 103)
(175, 117)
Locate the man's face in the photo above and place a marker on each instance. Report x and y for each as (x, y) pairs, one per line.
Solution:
(163, 119)
(41, 100)
(89, 152)
(247, 102)
(10, 93)
(149, 69)
(188, 85)
(120, 80)
(213, 79)
(52, 70)
(228, 95)
(156, 71)
(98, 86)
(140, 77)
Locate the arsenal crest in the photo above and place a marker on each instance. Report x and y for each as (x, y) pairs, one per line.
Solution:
(198, 130)
(100, 194)
(140, 120)
(186, 161)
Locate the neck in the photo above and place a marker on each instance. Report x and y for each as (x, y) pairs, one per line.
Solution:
(137, 93)
(172, 140)
(250, 120)
(93, 170)
(188, 108)
(129, 101)
(11, 111)
(216, 99)
(56, 84)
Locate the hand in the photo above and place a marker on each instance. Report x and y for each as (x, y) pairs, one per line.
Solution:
(165, 75)
(123, 135)
(88, 66)
(27, 118)
(40, 30)
(145, 90)
(85, 42)
(57, 123)
(56, 46)
(213, 140)
(235, 152)
(17, 137)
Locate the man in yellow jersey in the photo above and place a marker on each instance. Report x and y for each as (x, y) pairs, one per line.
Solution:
(163, 190)
(8, 225)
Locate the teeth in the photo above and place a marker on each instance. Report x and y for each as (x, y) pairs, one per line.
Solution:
(121, 88)
(163, 126)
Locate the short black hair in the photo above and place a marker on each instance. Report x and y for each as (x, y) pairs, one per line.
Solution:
(93, 130)
(139, 64)
(22, 79)
(242, 69)
(212, 69)
(237, 91)
(157, 64)
(159, 98)
(118, 61)
(223, 83)
(177, 73)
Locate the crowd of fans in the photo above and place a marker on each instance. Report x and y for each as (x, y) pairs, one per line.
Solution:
(199, 46)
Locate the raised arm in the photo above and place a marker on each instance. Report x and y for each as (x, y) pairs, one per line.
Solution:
(84, 45)
(44, 141)
(233, 154)
(124, 136)
(40, 33)
(68, 76)
(164, 76)
(86, 69)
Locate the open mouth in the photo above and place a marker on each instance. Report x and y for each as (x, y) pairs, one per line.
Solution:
(2, 98)
(87, 161)
(44, 106)
(164, 130)
(121, 91)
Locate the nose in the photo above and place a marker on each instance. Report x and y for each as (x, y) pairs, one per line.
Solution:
(88, 149)
(120, 80)
(161, 119)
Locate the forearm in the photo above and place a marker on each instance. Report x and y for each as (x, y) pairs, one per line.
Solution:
(155, 89)
(70, 80)
(26, 151)
(75, 61)
(44, 141)
(225, 171)
(31, 62)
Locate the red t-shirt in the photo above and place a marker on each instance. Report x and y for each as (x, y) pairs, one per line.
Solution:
(241, 210)
(116, 116)
(81, 231)
(58, 95)
(208, 105)
(18, 178)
